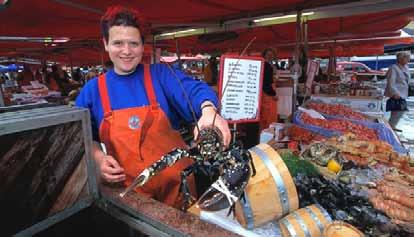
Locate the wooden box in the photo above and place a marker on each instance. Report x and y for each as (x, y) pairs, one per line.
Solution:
(43, 168)
(48, 184)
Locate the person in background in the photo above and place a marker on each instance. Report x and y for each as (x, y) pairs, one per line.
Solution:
(268, 110)
(136, 108)
(398, 76)
(56, 79)
(24, 78)
(77, 76)
(90, 75)
(38, 76)
(210, 72)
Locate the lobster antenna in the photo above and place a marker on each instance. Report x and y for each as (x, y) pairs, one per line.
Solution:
(185, 94)
(232, 71)
(224, 90)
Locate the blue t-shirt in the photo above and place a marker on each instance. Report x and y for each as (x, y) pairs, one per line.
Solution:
(126, 91)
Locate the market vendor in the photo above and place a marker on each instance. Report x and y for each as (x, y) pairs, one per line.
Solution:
(398, 77)
(268, 110)
(135, 108)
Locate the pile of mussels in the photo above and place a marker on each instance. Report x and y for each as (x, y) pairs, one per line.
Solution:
(342, 204)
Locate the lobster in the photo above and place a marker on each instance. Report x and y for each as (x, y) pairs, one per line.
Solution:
(233, 166)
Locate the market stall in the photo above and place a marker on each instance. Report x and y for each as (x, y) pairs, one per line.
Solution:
(359, 179)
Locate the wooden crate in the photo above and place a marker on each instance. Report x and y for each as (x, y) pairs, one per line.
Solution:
(43, 165)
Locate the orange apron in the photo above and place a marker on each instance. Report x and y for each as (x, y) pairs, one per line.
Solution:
(268, 113)
(139, 136)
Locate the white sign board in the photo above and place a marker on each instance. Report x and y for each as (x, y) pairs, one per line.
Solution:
(240, 87)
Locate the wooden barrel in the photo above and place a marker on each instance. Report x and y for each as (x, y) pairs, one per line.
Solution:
(309, 221)
(341, 229)
(270, 194)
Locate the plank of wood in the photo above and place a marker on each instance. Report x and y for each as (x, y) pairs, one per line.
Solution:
(73, 188)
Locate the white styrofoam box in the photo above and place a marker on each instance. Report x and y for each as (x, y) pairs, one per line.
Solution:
(359, 103)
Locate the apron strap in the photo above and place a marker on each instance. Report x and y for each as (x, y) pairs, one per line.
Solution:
(148, 86)
(103, 92)
(105, 126)
(149, 89)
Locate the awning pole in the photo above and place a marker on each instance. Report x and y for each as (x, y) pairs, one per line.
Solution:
(296, 66)
(177, 46)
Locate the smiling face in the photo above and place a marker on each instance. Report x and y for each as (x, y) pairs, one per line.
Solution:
(125, 48)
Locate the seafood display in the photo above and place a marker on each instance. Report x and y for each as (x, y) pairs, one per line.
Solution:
(303, 135)
(343, 204)
(364, 152)
(342, 126)
(336, 110)
(322, 154)
(377, 197)
(394, 195)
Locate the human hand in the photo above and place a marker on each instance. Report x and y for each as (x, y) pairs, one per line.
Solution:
(111, 171)
(207, 119)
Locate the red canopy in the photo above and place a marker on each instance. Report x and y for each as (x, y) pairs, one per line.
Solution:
(384, 24)
(79, 20)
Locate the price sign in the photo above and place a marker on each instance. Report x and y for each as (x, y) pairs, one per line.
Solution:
(240, 88)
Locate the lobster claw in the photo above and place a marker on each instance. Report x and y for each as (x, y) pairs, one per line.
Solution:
(227, 189)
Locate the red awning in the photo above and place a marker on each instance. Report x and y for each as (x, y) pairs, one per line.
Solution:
(384, 24)
(79, 20)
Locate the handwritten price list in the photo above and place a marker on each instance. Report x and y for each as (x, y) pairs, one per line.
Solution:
(240, 89)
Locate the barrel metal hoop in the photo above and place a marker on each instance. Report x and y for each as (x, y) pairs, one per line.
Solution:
(289, 227)
(315, 218)
(280, 185)
(324, 213)
(248, 213)
(302, 224)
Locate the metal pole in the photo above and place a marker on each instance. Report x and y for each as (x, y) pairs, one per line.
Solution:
(1, 97)
(177, 46)
(71, 65)
(296, 74)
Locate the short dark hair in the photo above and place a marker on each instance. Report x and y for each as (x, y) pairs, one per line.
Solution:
(121, 16)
